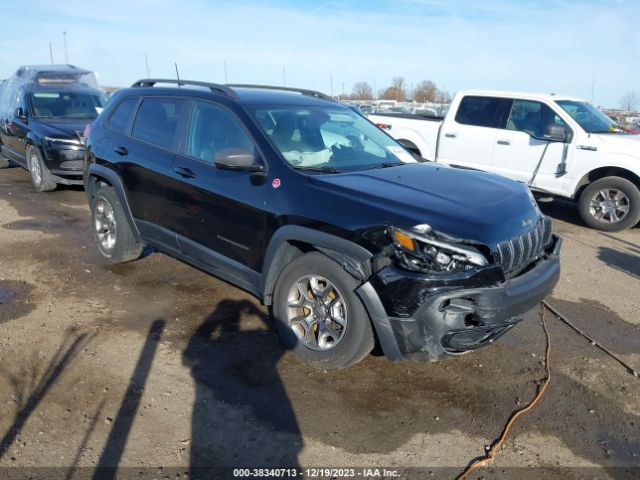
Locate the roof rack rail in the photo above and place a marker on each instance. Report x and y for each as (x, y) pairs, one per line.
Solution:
(303, 91)
(216, 88)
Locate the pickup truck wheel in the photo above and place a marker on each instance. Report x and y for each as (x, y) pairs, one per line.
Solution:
(610, 204)
(42, 179)
(114, 236)
(318, 315)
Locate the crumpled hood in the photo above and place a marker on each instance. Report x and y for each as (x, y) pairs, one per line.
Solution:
(465, 204)
(60, 128)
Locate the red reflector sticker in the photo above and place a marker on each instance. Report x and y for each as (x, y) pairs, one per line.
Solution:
(275, 183)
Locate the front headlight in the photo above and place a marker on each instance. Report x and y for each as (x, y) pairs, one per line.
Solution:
(424, 252)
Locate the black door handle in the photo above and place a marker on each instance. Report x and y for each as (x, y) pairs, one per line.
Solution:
(185, 172)
(122, 151)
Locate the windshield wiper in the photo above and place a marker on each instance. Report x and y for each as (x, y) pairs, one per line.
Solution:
(318, 169)
(387, 165)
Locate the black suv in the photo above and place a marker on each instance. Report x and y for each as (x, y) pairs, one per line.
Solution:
(325, 218)
(43, 113)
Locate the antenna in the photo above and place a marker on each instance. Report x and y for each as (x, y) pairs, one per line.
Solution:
(177, 74)
(51, 52)
(226, 80)
(146, 64)
(284, 77)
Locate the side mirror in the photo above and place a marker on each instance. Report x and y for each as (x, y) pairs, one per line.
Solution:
(555, 133)
(20, 113)
(237, 159)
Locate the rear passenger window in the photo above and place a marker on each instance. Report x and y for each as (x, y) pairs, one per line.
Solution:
(483, 111)
(119, 119)
(157, 121)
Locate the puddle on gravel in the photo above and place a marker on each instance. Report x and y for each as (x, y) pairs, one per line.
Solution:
(15, 300)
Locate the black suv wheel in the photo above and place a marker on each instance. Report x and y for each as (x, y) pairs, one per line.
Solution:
(116, 240)
(319, 316)
(42, 179)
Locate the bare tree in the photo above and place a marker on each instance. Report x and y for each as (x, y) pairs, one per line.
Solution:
(362, 91)
(442, 96)
(629, 102)
(425, 92)
(396, 91)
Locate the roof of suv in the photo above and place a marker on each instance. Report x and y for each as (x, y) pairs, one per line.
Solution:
(242, 94)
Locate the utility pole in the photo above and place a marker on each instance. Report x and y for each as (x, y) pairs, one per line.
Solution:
(226, 80)
(66, 53)
(146, 64)
(284, 77)
(51, 52)
(375, 91)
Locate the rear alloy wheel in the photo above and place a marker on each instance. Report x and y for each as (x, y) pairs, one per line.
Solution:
(42, 179)
(318, 314)
(610, 204)
(115, 238)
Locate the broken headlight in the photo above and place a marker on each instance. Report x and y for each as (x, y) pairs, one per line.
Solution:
(423, 250)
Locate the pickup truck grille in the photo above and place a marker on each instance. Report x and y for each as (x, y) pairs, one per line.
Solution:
(516, 254)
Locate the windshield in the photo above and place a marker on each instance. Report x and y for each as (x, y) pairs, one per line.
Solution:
(329, 139)
(66, 104)
(589, 117)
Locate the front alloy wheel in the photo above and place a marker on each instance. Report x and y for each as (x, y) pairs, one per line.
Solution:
(316, 312)
(105, 225)
(610, 204)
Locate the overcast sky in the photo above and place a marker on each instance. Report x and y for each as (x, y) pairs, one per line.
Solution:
(547, 46)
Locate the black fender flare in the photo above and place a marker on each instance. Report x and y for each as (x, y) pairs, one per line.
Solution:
(355, 259)
(97, 172)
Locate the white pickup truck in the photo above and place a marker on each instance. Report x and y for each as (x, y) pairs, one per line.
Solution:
(558, 145)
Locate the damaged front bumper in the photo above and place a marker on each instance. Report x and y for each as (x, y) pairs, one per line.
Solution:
(420, 318)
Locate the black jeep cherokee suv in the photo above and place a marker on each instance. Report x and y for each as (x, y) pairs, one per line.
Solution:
(325, 218)
(43, 113)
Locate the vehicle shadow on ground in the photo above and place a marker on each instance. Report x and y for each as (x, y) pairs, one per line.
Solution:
(242, 415)
(30, 385)
(563, 210)
(107, 467)
(621, 261)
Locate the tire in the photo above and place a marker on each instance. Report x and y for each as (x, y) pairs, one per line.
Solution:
(328, 344)
(610, 204)
(4, 162)
(40, 175)
(115, 238)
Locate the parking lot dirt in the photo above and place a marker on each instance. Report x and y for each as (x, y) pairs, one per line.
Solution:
(154, 364)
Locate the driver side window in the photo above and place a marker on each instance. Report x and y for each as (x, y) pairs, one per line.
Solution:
(213, 128)
(532, 117)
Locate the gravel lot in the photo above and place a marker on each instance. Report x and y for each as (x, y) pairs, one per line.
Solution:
(158, 368)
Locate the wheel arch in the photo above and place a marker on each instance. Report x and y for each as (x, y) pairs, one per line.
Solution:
(603, 172)
(407, 137)
(292, 241)
(97, 174)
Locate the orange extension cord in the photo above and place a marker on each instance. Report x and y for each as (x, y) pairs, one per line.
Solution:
(491, 451)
